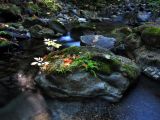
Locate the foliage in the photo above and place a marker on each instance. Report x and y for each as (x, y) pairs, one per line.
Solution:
(3, 42)
(52, 5)
(34, 7)
(62, 64)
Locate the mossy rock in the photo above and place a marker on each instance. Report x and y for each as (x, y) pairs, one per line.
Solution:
(4, 42)
(29, 22)
(57, 26)
(10, 12)
(38, 31)
(89, 59)
(81, 30)
(132, 42)
(151, 36)
(89, 72)
(121, 33)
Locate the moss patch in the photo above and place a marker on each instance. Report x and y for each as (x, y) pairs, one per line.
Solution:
(3, 42)
(89, 59)
(154, 31)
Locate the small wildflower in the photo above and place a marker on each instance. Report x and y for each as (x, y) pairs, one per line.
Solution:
(39, 61)
(52, 43)
(67, 61)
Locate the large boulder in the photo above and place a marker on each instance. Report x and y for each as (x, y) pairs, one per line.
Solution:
(10, 13)
(98, 41)
(84, 72)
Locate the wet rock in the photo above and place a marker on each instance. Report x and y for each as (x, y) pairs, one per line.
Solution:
(57, 26)
(78, 31)
(7, 46)
(79, 83)
(89, 14)
(144, 16)
(29, 22)
(151, 36)
(147, 57)
(38, 31)
(82, 20)
(98, 41)
(152, 72)
(10, 13)
(132, 42)
(121, 33)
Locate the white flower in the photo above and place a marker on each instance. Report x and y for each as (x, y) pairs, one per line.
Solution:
(52, 43)
(39, 61)
(108, 57)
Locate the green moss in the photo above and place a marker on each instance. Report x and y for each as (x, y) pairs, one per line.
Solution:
(10, 7)
(154, 31)
(34, 7)
(52, 5)
(3, 42)
(104, 68)
(130, 70)
(72, 50)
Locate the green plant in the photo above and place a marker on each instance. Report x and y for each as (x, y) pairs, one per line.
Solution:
(52, 5)
(3, 42)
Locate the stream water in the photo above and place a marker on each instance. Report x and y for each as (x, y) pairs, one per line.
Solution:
(140, 103)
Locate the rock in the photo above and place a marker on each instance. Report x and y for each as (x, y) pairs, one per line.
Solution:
(144, 16)
(10, 13)
(113, 76)
(146, 57)
(152, 72)
(27, 106)
(121, 33)
(132, 42)
(89, 14)
(38, 31)
(78, 31)
(98, 41)
(57, 26)
(151, 36)
(7, 46)
(29, 22)
(82, 20)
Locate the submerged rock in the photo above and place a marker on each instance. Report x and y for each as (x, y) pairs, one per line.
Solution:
(98, 41)
(104, 74)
